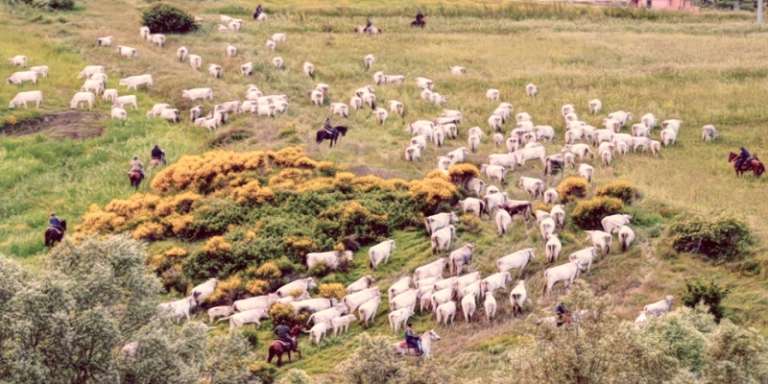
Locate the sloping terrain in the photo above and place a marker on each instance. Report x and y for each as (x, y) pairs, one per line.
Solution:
(703, 70)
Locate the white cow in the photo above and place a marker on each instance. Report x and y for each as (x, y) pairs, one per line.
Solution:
(380, 253)
(341, 323)
(442, 238)
(22, 98)
(401, 285)
(472, 205)
(299, 286)
(406, 299)
(584, 257)
(82, 97)
(446, 312)
(626, 237)
(19, 78)
(398, 318)
(503, 221)
(468, 306)
(220, 311)
(355, 300)
(203, 290)
(515, 260)
(553, 248)
(433, 269)
(660, 307)
(566, 273)
(439, 221)
(613, 222)
(263, 302)
(498, 280)
(368, 310)
(360, 284)
(312, 305)
(177, 309)
(460, 257)
(196, 62)
(118, 113)
(533, 186)
(517, 297)
(317, 332)
(595, 105)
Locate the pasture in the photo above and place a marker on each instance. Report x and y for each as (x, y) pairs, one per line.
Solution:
(707, 69)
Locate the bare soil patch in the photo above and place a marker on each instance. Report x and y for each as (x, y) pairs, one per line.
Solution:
(67, 124)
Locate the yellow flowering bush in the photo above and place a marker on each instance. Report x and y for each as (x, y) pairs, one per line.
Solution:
(332, 291)
(150, 231)
(217, 245)
(252, 193)
(227, 290)
(572, 188)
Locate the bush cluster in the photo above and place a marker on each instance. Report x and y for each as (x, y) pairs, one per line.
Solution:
(718, 239)
(620, 189)
(710, 293)
(164, 18)
(588, 213)
(572, 188)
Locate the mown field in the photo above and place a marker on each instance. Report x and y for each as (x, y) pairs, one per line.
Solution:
(708, 69)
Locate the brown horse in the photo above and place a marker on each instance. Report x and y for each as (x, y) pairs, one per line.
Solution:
(752, 164)
(54, 235)
(278, 348)
(135, 177)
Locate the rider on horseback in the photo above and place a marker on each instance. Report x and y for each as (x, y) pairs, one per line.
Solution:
(283, 333)
(256, 13)
(562, 314)
(158, 155)
(327, 125)
(368, 25)
(743, 157)
(136, 166)
(412, 340)
(55, 222)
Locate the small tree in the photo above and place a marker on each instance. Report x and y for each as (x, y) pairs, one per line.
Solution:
(164, 18)
(709, 293)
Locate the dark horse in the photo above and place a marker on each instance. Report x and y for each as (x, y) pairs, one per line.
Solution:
(752, 164)
(331, 135)
(135, 177)
(278, 348)
(53, 235)
(419, 22)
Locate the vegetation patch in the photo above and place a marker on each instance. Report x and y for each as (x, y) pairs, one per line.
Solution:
(164, 18)
(717, 239)
(238, 214)
(620, 189)
(588, 213)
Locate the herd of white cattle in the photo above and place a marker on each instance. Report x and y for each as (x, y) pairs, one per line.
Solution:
(428, 289)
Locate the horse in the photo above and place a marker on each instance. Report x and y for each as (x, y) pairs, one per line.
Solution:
(53, 235)
(332, 136)
(278, 348)
(752, 164)
(427, 338)
(135, 177)
(419, 22)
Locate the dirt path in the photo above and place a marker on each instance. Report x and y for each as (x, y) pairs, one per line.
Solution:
(67, 124)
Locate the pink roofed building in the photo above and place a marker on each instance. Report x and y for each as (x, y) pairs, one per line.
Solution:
(669, 5)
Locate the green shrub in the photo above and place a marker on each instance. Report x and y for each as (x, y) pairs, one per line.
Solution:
(719, 239)
(61, 4)
(572, 188)
(250, 334)
(320, 269)
(588, 213)
(708, 293)
(164, 18)
(282, 313)
(620, 189)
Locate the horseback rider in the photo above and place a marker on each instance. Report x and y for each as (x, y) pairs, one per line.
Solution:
(412, 340)
(55, 222)
(368, 25)
(158, 155)
(257, 12)
(327, 125)
(136, 165)
(743, 157)
(562, 314)
(283, 333)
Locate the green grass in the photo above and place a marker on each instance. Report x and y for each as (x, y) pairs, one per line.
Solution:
(702, 69)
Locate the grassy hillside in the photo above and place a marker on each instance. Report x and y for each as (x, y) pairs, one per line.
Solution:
(708, 69)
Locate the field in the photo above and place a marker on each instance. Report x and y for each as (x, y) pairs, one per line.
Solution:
(707, 69)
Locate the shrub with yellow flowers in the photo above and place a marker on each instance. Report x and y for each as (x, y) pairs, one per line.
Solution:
(332, 291)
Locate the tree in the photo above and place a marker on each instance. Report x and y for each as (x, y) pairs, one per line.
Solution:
(70, 325)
